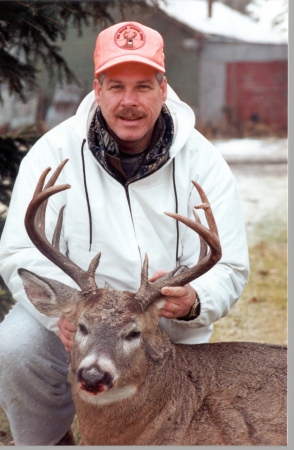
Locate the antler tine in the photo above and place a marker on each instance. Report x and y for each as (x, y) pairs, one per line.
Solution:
(207, 210)
(38, 190)
(149, 292)
(40, 215)
(58, 228)
(35, 226)
(203, 243)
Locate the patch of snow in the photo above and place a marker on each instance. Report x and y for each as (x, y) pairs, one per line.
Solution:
(263, 187)
(225, 21)
(267, 11)
(269, 150)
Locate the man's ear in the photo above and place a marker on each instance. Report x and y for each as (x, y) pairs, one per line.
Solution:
(163, 88)
(97, 88)
(50, 297)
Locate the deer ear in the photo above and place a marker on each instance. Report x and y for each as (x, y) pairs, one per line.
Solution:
(50, 297)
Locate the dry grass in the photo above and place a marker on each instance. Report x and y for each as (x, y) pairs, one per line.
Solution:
(260, 314)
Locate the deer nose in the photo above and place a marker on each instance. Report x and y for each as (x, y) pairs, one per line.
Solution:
(94, 381)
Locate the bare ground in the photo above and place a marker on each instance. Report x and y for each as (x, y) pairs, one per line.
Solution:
(261, 312)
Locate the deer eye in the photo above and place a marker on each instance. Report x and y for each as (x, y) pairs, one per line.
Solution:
(133, 335)
(82, 329)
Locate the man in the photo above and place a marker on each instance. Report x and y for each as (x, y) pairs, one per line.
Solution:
(133, 151)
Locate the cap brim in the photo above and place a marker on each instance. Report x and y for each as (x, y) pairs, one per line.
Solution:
(129, 58)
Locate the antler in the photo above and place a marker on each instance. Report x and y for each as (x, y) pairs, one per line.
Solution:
(35, 226)
(148, 292)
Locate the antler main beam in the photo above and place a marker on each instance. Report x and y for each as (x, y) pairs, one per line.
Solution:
(35, 226)
(148, 292)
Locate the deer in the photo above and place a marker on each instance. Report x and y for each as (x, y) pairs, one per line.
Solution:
(130, 384)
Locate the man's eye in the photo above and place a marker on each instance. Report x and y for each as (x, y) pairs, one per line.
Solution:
(116, 87)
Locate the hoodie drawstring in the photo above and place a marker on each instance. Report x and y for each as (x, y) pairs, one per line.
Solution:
(89, 207)
(177, 207)
(87, 195)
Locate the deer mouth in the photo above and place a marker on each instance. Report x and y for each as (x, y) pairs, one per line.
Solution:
(93, 381)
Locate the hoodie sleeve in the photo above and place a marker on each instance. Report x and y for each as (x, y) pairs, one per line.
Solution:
(16, 249)
(220, 287)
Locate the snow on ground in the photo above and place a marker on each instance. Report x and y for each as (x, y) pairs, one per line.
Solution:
(268, 150)
(260, 169)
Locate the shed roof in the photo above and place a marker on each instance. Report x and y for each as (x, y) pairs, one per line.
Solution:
(225, 22)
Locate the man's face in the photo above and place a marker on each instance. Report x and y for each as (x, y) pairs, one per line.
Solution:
(130, 99)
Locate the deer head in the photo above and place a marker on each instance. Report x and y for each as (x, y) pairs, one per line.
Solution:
(114, 328)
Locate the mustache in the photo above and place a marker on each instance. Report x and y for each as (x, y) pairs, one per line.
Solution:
(130, 114)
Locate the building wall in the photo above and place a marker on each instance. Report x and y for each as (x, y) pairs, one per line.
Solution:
(213, 60)
(257, 91)
(180, 56)
(196, 67)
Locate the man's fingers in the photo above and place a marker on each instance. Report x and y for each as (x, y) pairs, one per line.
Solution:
(158, 274)
(170, 310)
(64, 324)
(68, 343)
(171, 307)
(178, 302)
(65, 333)
(178, 291)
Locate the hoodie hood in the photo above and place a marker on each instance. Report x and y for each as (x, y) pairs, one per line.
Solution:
(183, 118)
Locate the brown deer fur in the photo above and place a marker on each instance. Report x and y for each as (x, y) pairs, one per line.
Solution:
(230, 393)
(131, 385)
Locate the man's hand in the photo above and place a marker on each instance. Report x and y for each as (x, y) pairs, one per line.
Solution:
(179, 299)
(65, 333)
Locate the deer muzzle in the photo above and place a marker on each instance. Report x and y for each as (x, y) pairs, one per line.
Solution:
(93, 380)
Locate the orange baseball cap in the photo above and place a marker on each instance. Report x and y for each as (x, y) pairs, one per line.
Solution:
(128, 41)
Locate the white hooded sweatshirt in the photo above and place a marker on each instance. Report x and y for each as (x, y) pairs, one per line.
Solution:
(129, 222)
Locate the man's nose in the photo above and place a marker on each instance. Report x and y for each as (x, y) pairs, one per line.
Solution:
(130, 98)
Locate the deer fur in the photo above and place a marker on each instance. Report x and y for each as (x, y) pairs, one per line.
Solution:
(130, 384)
(158, 393)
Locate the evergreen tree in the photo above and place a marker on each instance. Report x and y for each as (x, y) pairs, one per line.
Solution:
(29, 31)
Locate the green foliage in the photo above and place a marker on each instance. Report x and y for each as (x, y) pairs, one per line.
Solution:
(12, 150)
(29, 31)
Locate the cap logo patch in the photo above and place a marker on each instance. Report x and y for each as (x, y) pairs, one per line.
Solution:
(129, 37)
